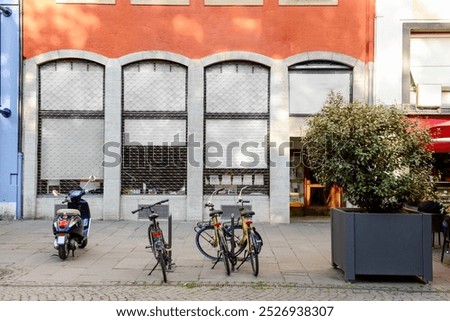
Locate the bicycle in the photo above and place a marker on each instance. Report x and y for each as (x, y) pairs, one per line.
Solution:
(250, 242)
(216, 238)
(235, 234)
(156, 239)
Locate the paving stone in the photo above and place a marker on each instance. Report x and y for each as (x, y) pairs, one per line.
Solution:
(295, 265)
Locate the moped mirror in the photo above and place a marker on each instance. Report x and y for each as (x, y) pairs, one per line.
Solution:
(87, 186)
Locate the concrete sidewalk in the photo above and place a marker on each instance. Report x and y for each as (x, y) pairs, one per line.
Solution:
(294, 256)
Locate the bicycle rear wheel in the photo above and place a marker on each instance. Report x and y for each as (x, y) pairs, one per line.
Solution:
(253, 254)
(204, 240)
(224, 253)
(161, 257)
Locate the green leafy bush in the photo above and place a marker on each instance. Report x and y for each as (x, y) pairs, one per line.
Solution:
(375, 153)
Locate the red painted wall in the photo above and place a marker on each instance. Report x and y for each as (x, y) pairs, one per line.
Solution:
(197, 30)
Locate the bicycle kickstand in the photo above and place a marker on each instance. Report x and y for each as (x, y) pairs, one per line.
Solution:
(217, 261)
(153, 268)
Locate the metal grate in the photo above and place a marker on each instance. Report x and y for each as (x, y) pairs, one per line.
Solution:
(236, 127)
(70, 125)
(71, 85)
(154, 170)
(154, 124)
(237, 87)
(155, 85)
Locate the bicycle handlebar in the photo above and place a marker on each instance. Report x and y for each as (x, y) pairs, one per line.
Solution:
(240, 200)
(213, 193)
(149, 206)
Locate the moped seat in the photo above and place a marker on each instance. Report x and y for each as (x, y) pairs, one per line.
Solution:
(68, 211)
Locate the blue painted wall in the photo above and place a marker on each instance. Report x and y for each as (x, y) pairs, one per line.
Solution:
(9, 127)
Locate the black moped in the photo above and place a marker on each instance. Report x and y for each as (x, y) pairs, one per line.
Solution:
(71, 225)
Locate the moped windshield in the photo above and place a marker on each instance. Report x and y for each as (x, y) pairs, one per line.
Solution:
(76, 194)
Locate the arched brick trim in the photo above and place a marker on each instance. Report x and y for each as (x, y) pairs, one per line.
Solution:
(237, 55)
(67, 54)
(149, 55)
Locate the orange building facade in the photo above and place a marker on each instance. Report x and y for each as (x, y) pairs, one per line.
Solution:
(197, 30)
(176, 98)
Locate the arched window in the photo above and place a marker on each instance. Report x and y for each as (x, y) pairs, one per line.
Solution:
(154, 124)
(311, 82)
(71, 124)
(237, 126)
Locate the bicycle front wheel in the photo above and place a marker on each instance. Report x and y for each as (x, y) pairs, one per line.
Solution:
(253, 252)
(161, 257)
(204, 240)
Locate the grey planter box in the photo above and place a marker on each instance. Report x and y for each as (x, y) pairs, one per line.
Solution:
(381, 243)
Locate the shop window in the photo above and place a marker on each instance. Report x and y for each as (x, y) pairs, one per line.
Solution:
(236, 127)
(310, 83)
(430, 70)
(71, 124)
(154, 120)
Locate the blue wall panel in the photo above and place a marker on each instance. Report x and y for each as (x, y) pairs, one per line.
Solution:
(9, 98)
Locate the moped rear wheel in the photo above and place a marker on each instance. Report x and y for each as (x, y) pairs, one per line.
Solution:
(63, 251)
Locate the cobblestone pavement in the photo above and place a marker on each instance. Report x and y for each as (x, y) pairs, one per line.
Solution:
(217, 292)
(295, 266)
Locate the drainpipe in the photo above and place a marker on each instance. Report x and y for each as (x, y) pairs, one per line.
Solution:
(19, 186)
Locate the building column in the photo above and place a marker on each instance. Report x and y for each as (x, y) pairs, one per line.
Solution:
(279, 143)
(194, 201)
(112, 141)
(30, 138)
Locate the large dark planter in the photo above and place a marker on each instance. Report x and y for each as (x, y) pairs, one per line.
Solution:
(381, 243)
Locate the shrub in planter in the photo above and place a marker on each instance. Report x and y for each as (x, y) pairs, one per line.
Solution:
(382, 161)
(376, 154)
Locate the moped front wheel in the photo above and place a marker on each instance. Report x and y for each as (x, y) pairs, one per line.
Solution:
(83, 243)
(63, 251)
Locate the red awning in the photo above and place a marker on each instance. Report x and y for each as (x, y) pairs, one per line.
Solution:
(441, 137)
(440, 132)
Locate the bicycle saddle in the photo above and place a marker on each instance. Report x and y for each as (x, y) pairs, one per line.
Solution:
(215, 212)
(153, 216)
(247, 213)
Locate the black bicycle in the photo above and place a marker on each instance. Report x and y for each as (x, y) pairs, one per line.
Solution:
(156, 239)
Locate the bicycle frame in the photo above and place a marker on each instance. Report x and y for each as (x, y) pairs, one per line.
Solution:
(219, 240)
(155, 236)
(156, 240)
(247, 245)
